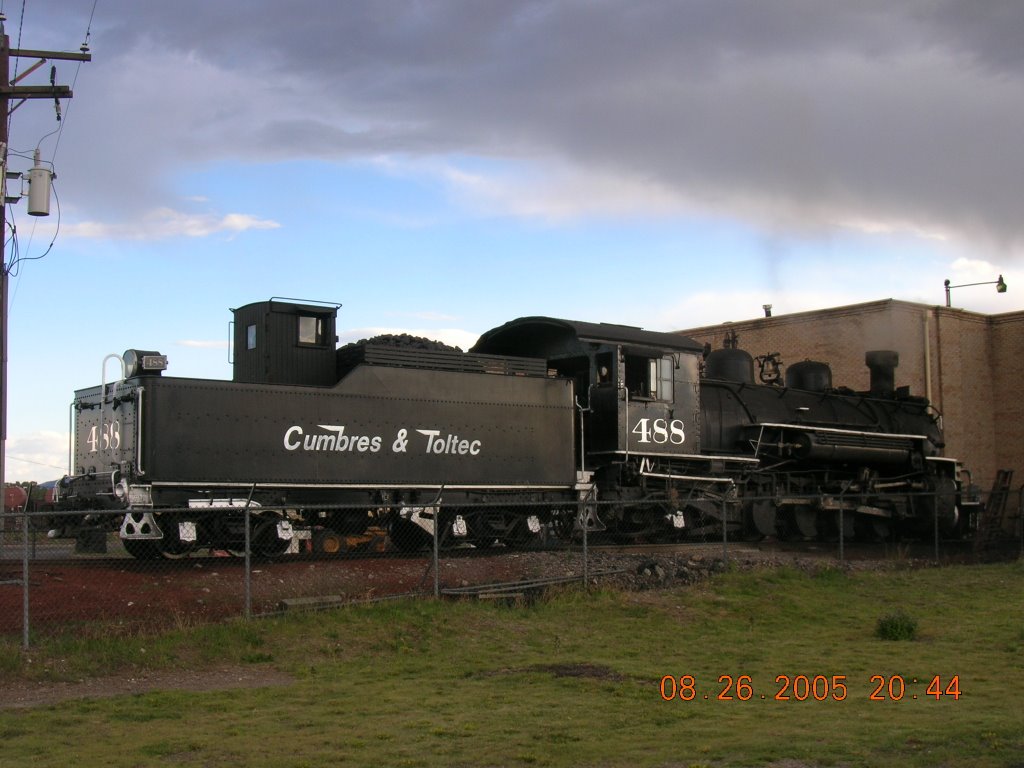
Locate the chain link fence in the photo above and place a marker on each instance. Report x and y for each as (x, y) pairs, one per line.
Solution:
(98, 581)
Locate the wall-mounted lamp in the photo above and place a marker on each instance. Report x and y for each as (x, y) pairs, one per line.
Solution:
(1000, 285)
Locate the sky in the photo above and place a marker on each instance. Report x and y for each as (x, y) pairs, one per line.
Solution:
(440, 168)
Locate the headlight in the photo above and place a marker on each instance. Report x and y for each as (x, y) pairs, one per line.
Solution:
(141, 363)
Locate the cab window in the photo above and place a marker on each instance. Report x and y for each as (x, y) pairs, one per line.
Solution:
(311, 330)
(649, 377)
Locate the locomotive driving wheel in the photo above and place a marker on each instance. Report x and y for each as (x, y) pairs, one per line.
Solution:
(871, 528)
(761, 521)
(796, 522)
(806, 518)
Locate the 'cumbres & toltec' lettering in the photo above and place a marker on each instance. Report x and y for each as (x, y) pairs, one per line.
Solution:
(333, 439)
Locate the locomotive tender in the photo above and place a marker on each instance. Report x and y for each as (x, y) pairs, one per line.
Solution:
(545, 422)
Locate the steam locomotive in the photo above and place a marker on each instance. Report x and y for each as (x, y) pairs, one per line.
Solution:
(544, 425)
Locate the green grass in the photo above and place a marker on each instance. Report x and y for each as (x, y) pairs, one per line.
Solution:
(571, 680)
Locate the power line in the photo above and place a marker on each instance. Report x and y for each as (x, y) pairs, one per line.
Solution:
(84, 48)
(37, 463)
(9, 89)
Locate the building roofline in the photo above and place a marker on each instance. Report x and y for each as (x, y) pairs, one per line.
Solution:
(860, 309)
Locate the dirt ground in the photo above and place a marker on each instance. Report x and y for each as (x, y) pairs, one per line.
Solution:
(65, 593)
(89, 595)
(23, 694)
(72, 592)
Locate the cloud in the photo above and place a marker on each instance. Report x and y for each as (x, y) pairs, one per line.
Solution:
(562, 193)
(164, 223)
(797, 117)
(972, 269)
(36, 456)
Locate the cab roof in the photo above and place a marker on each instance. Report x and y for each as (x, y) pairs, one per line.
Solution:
(531, 336)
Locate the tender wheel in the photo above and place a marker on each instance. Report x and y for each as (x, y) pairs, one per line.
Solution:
(328, 542)
(406, 536)
(489, 528)
(171, 546)
(142, 549)
(266, 542)
(349, 523)
(522, 535)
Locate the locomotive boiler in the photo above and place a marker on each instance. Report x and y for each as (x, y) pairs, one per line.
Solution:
(545, 425)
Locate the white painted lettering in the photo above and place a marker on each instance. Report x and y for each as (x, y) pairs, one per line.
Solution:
(332, 439)
(335, 441)
(449, 445)
(287, 435)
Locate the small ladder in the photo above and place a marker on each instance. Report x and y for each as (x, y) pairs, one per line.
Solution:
(991, 534)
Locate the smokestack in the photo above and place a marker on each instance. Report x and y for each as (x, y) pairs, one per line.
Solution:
(883, 363)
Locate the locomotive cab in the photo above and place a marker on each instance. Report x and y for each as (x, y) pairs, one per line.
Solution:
(637, 391)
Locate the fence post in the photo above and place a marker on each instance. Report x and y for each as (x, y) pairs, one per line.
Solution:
(842, 533)
(725, 525)
(1020, 520)
(248, 564)
(437, 548)
(24, 579)
(586, 551)
(248, 554)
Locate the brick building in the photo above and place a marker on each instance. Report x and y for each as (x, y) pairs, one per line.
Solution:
(968, 364)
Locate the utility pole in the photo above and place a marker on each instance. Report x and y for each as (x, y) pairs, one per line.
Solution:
(19, 93)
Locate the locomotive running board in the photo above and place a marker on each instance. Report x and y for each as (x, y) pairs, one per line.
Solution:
(688, 478)
(882, 437)
(838, 431)
(682, 456)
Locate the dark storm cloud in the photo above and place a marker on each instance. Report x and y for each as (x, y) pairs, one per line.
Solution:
(793, 113)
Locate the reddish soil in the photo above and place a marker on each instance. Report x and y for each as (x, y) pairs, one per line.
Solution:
(70, 593)
(153, 594)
